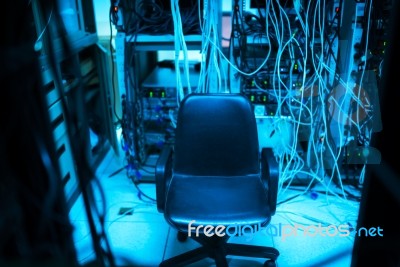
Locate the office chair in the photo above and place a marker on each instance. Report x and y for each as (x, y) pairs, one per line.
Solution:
(214, 175)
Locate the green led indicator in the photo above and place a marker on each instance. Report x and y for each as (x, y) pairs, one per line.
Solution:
(264, 98)
(359, 154)
(265, 82)
(384, 43)
(272, 114)
(252, 98)
(295, 66)
(151, 94)
(253, 83)
(162, 94)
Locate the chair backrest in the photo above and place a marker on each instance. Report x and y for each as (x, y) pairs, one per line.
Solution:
(216, 135)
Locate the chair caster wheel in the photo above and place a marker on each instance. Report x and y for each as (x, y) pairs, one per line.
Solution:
(270, 263)
(182, 236)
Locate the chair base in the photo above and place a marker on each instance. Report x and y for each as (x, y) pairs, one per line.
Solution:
(217, 248)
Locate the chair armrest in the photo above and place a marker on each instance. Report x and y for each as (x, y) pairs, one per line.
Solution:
(163, 175)
(270, 174)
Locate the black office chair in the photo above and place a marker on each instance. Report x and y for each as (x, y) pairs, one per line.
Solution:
(213, 175)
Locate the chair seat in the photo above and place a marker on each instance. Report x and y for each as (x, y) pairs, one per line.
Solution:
(216, 200)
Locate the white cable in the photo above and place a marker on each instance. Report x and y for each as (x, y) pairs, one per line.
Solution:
(174, 12)
(38, 42)
(365, 62)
